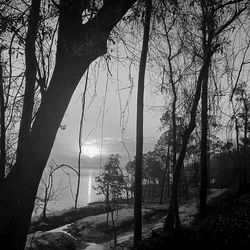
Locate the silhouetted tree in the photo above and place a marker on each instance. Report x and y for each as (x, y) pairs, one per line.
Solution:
(139, 127)
(110, 183)
(78, 45)
(210, 37)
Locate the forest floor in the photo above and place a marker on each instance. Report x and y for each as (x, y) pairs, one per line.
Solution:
(88, 225)
(227, 226)
(187, 210)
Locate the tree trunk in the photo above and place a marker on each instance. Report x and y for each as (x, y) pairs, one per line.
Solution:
(172, 219)
(2, 124)
(185, 184)
(168, 181)
(44, 215)
(139, 128)
(107, 207)
(145, 191)
(204, 130)
(238, 155)
(30, 78)
(164, 177)
(209, 172)
(80, 141)
(77, 48)
(172, 82)
(173, 114)
(113, 226)
(244, 179)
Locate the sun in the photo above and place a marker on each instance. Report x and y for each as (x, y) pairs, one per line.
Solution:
(91, 150)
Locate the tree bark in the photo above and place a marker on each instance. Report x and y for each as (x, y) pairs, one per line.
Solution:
(139, 128)
(173, 111)
(80, 140)
(2, 125)
(30, 77)
(164, 177)
(172, 82)
(78, 46)
(172, 219)
(238, 155)
(244, 177)
(44, 213)
(204, 129)
(208, 33)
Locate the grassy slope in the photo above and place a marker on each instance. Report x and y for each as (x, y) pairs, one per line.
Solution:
(66, 217)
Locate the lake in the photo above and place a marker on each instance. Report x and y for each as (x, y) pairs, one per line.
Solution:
(65, 183)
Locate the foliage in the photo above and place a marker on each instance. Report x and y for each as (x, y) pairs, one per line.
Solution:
(110, 182)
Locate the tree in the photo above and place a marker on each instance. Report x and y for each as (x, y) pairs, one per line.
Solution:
(2, 123)
(48, 192)
(162, 149)
(80, 142)
(238, 101)
(110, 183)
(211, 35)
(78, 45)
(130, 170)
(139, 127)
(208, 33)
(166, 171)
(243, 118)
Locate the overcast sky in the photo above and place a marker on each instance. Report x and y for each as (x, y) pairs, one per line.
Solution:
(108, 137)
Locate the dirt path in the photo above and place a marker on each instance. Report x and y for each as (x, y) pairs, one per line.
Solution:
(94, 234)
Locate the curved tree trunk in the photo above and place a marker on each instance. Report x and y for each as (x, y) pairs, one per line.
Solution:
(77, 48)
(139, 128)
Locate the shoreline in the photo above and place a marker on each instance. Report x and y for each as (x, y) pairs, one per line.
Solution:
(67, 216)
(88, 224)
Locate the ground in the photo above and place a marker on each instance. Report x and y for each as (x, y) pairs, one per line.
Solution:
(94, 230)
(227, 226)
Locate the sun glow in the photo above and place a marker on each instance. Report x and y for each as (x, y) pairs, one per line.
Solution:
(91, 150)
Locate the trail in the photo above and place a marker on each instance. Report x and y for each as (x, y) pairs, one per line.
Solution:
(88, 231)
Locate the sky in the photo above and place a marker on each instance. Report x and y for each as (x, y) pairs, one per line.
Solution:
(109, 123)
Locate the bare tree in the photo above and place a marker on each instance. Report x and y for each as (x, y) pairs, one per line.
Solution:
(78, 45)
(48, 191)
(80, 142)
(2, 123)
(139, 127)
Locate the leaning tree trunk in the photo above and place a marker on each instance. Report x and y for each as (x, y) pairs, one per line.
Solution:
(77, 48)
(172, 219)
(139, 128)
(30, 79)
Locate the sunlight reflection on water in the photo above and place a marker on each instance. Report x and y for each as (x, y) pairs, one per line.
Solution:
(66, 186)
(90, 186)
